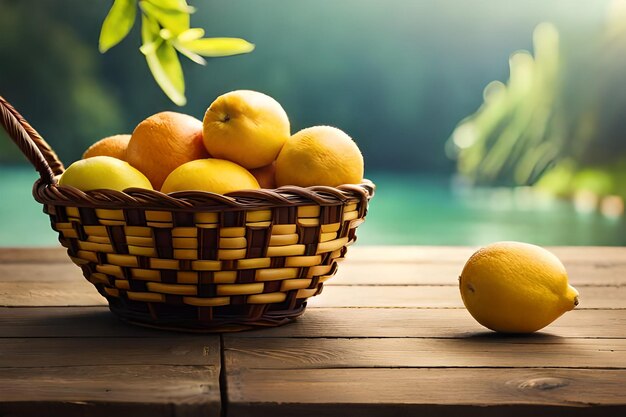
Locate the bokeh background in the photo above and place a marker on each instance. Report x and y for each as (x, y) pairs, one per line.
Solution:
(479, 120)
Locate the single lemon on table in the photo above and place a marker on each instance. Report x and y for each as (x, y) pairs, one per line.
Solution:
(246, 127)
(320, 155)
(103, 172)
(114, 146)
(515, 287)
(214, 175)
(163, 142)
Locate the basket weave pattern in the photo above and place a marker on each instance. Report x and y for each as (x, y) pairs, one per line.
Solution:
(197, 260)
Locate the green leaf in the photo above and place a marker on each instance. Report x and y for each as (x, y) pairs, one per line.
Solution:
(118, 22)
(178, 5)
(215, 47)
(174, 20)
(189, 54)
(164, 63)
(191, 35)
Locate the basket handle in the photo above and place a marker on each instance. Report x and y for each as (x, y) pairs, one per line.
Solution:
(32, 145)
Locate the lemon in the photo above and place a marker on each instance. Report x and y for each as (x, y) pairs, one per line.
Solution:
(515, 287)
(214, 175)
(246, 127)
(103, 172)
(319, 155)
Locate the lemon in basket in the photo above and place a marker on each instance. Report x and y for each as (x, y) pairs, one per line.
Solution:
(103, 172)
(319, 155)
(246, 127)
(515, 287)
(214, 175)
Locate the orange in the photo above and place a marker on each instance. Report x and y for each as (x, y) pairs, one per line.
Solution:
(246, 127)
(320, 155)
(214, 175)
(265, 175)
(114, 146)
(163, 142)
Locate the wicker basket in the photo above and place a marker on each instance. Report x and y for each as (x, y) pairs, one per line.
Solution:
(197, 261)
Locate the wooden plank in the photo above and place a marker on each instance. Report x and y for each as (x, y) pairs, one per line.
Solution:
(426, 392)
(34, 255)
(409, 322)
(490, 350)
(441, 297)
(82, 293)
(40, 272)
(120, 390)
(351, 272)
(77, 292)
(172, 349)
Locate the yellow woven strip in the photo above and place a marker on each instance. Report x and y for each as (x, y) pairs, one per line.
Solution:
(282, 240)
(88, 256)
(172, 288)
(185, 243)
(259, 224)
(69, 233)
(146, 274)
(350, 215)
(259, 215)
(108, 214)
(283, 229)
(98, 278)
(142, 251)
(140, 231)
(187, 277)
(146, 296)
(72, 212)
(324, 278)
(325, 237)
(350, 207)
(184, 232)
(58, 226)
(290, 250)
(356, 223)
(308, 222)
(160, 225)
(206, 217)
(331, 245)
(231, 254)
(225, 277)
(309, 211)
(295, 284)
(207, 226)
(112, 270)
(96, 247)
(112, 291)
(190, 254)
(332, 227)
(158, 216)
(272, 297)
(79, 261)
(206, 265)
(273, 274)
(240, 289)
(122, 260)
(106, 222)
(303, 261)
(96, 231)
(253, 263)
(336, 255)
(157, 263)
(99, 239)
(318, 270)
(207, 302)
(232, 243)
(232, 232)
(306, 293)
(140, 241)
(122, 284)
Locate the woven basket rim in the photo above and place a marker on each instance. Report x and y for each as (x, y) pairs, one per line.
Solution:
(139, 198)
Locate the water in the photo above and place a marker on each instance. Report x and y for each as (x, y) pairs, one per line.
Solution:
(407, 210)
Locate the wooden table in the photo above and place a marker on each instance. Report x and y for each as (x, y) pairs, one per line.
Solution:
(388, 337)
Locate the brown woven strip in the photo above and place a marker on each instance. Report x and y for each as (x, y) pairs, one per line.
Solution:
(208, 241)
(163, 242)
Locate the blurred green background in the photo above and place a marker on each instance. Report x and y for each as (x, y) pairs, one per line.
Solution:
(537, 156)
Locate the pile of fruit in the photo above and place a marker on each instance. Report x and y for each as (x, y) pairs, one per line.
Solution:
(243, 143)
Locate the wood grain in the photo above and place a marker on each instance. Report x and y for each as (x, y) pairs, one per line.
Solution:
(480, 351)
(451, 323)
(120, 390)
(426, 392)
